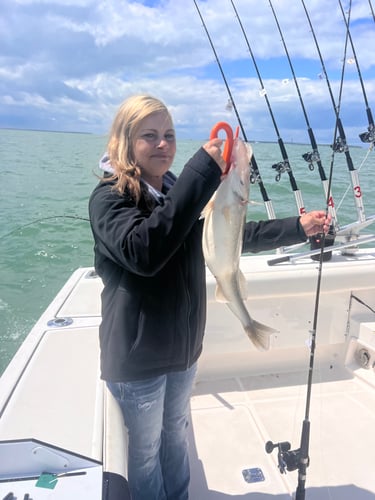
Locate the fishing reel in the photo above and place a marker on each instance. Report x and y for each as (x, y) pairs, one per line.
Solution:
(340, 146)
(310, 158)
(281, 167)
(254, 176)
(368, 136)
(288, 460)
(316, 242)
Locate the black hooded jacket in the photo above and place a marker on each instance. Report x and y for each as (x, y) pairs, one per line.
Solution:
(150, 259)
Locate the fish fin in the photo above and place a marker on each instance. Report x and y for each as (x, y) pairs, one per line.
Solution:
(260, 335)
(208, 208)
(243, 285)
(249, 150)
(219, 295)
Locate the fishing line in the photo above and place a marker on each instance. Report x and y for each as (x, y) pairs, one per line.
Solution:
(354, 175)
(340, 144)
(255, 176)
(76, 217)
(359, 169)
(303, 459)
(337, 108)
(314, 155)
(299, 459)
(368, 136)
(283, 166)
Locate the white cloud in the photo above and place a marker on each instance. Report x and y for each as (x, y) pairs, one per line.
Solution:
(64, 3)
(24, 99)
(80, 59)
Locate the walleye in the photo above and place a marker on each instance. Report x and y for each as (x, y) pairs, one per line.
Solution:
(224, 219)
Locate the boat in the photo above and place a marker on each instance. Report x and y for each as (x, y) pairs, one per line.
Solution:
(262, 424)
(62, 435)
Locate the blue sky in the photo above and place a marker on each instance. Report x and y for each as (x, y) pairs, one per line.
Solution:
(67, 64)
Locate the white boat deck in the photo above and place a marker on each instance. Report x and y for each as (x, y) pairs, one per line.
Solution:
(233, 419)
(243, 398)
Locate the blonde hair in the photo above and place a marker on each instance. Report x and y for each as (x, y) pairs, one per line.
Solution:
(120, 144)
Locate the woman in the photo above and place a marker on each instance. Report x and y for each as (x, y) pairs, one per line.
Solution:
(147, 231)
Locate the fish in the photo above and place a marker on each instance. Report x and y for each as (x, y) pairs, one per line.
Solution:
(223, 227)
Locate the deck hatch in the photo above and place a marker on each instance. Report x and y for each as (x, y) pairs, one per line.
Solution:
(254, 475)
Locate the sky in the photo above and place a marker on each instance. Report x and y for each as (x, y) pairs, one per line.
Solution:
(66, 65)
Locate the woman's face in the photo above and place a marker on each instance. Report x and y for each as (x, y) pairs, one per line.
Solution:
(154, 147)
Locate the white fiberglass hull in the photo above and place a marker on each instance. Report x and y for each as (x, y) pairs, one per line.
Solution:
(57, 416)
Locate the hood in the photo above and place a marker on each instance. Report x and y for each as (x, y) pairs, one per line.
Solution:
(168, 179)
(105, 164)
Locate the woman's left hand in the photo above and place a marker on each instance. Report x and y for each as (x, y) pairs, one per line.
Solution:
(212, 147)
(315, 222)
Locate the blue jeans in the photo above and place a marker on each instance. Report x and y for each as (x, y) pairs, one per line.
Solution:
(156, 414)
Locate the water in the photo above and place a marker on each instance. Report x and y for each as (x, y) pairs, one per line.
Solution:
(46, 174)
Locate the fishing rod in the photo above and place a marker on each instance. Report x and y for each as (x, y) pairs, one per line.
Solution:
(314, 155)
(368, 136)
(283, 166)
(255, 176)
(340, 145)
(299, 459)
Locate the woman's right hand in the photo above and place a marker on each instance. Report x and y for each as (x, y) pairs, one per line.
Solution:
(213, 148)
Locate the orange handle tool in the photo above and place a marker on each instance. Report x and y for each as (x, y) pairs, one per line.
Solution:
(228, 147)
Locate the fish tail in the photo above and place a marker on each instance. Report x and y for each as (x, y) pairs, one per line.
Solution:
(260, 335)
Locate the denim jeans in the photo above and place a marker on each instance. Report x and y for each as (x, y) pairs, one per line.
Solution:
(156, 414)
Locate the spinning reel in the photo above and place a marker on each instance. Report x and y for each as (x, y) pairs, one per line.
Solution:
(281, 167)
(288, 460)
(311, 158)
